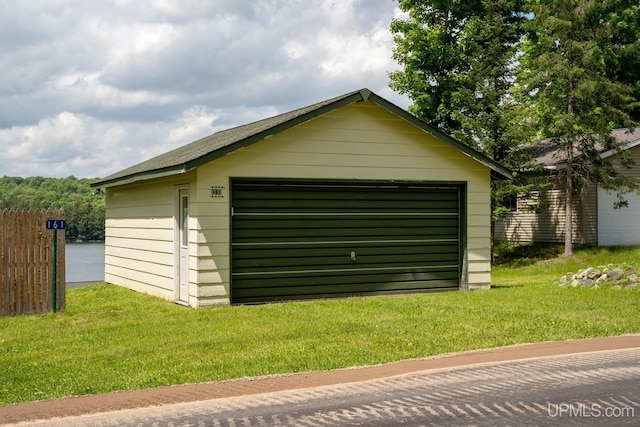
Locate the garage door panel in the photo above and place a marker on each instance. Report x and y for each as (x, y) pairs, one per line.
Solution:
(445, 271)
(282, 265)
(346, 221)
(337, 291)
(306, 200)
(330, 194)
(297, 241)
(293, 235)
(347, 283)
(344, 257)
(381, 247)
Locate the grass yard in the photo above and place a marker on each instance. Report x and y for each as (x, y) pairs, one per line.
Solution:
(110, 338)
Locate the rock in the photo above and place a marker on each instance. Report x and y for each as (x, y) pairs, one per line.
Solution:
(601, 279)
(633, 278)
(617, 287)
(631, 286)
(587, 282)
(629, 271)
(583, 274)
(575, 283)
(616, 273)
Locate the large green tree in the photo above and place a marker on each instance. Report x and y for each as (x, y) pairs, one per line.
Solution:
(459, 64)
(429, 46)
(622, 59)
(572, 96)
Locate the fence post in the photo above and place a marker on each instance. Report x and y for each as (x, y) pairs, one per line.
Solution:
(54, 287)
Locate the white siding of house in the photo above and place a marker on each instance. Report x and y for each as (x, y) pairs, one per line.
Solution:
(139, 241)
(360, 141)
(620, 226)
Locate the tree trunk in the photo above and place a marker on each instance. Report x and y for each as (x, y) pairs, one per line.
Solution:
(568, 224)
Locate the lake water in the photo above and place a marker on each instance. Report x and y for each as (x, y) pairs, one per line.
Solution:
(85, 263)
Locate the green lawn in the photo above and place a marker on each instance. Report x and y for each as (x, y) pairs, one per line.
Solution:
(110, 338)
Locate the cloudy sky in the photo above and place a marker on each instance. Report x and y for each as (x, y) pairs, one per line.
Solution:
(89, 87)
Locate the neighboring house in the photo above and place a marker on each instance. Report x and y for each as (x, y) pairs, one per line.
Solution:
(350, 196)
(596, 222)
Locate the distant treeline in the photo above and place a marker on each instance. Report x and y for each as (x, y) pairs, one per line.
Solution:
(83, 207)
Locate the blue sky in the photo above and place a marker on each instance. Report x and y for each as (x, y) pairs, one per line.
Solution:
(90, 87)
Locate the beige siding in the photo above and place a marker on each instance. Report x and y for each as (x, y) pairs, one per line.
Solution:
(360, 141)
(589, 218)
(546, 223)
(139, 247)
(634, 171)
(525, 225)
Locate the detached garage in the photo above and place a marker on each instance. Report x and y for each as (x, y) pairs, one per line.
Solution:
(350, 196)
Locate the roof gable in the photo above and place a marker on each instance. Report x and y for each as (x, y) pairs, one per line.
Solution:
(209, 148)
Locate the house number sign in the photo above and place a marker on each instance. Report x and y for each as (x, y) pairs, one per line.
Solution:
(216, 191)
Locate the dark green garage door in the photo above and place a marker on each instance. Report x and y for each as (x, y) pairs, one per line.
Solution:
(299, 240)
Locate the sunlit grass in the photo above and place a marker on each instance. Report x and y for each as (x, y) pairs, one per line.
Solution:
(111, 338)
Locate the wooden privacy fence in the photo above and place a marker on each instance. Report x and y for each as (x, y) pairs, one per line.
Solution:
(26, 262)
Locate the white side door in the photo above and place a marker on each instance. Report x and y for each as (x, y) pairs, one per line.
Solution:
(182, 244)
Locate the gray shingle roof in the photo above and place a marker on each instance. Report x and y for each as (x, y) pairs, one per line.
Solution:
(197, 153)
(548, 154)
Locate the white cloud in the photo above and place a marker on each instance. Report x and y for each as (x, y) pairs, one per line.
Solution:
(91, 87)
(67, 144)
(353, 54)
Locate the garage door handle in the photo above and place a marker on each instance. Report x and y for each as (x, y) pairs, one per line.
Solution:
(353, 256)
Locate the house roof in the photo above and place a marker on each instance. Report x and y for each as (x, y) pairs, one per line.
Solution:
(209, 148)
(549, 155)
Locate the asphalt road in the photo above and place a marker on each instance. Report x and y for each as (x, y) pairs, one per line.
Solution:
(594, 388)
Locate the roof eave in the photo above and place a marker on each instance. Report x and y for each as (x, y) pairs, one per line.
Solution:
(625, 147)
(142, 176)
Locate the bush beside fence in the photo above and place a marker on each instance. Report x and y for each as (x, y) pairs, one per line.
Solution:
(26, 258)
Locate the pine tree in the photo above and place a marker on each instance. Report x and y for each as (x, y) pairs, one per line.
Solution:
(573, 98)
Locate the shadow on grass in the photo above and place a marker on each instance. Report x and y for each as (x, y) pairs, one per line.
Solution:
(504, 287)
(521, 255)
(517, 255)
